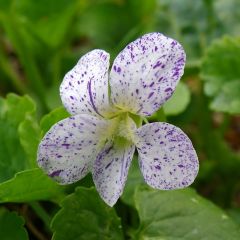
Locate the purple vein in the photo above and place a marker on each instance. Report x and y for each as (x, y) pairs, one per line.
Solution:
(91, 96)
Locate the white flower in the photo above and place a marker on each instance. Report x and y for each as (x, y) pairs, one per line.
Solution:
(107, 111)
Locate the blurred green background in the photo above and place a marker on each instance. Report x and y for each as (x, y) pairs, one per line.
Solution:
(41, 40)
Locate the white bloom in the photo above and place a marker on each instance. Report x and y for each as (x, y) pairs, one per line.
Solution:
(104, 129)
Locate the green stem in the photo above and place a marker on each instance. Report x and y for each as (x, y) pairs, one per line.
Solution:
(15, 80)
(40, 211)
(145, 120)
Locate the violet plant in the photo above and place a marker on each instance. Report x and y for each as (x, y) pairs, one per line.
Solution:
(108, 111)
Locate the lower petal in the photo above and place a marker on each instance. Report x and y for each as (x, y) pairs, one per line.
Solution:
(166, 156)
(111, 169)
(68, 149)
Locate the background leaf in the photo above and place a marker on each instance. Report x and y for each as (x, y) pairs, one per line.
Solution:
(11, 226)
(181, 214)
(93, 219)
(221, 74)
(179, 101)
(15, 111)
(30, 185)
(53, 117)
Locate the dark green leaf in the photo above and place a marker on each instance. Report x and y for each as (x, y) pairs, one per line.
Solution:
(134, 180)
(11, 226)
(85, 216)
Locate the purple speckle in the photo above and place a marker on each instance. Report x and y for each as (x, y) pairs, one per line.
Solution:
(168, 89)
(55, 173)
(150, 95)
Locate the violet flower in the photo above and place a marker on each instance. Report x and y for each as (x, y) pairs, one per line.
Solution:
(106, 124)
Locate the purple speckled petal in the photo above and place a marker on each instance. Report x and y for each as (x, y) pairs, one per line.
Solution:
(110, 170)
(85, 88)
(167, 158)
(69, 148)
(145, 74)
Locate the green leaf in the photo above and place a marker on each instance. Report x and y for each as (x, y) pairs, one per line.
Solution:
(221, 74)
(228, 100)
(121, 18)
(181, 214)
(53, 117)
(179, 101)
(30, 185)
(29, 136)
(11, 226)
(48, 21)
(194, 29)
(227, 12)
(134, 179)
(85, 216)
(17, 147)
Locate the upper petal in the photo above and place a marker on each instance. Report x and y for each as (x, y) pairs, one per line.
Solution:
(145, 74)
(110, 170)
(68, 149)
(166, 156)
(85, 88)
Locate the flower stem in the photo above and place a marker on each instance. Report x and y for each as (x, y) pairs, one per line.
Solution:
(40, 211)
(145, 120)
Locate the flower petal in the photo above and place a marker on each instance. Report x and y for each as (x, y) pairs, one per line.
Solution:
(68, 149)
(111, 169)
(85, 88)
(145, 74)
(166, 156)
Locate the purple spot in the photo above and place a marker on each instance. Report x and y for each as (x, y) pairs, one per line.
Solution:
(66, 145)
(180, 165)
(108, 165)
(168, 89)
(151, 84)
(55, 173)
(158, 64)
(158, 167)
(150, 95)
(118, 69)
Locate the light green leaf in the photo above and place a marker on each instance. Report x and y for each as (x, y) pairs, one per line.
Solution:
(227, 12)
(11, 226)
(29, 135)
(30, 185)
(228, 100)
(15, 112)
(85, 216)
(181, 215)
(221, 74)
(179, 101)
(53, 117)
(192, 23)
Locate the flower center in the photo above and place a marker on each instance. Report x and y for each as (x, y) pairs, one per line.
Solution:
(121, 129)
